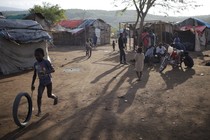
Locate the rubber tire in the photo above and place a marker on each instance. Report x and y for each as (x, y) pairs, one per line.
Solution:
(163, 65)
(15, 109)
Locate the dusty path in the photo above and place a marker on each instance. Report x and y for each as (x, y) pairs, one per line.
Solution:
(101, 99)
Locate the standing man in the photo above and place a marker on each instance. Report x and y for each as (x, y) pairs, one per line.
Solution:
(94, 40)
(152, 38)
(121, 48)
(145, 40)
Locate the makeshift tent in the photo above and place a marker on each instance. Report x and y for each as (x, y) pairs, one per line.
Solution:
(194, 33)
(32, 16)
(18, 40)
(75, 32)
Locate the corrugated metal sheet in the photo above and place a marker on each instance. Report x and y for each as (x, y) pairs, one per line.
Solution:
(75, 26)
(86, 23)
(70, 23)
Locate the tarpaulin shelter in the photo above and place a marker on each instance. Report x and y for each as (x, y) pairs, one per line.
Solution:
(67, 33)
(32, 16)
(194, 33)
(18, 40)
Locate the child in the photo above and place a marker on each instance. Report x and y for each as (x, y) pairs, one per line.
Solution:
(139, 63)
(43, 69)
(88, 46)
(113, 45)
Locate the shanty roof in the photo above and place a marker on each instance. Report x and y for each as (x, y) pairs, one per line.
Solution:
(193, 22)
(25, 16)
(74, 26)
(22, 31)
(19, 16)
(70, 23)
(86, 23)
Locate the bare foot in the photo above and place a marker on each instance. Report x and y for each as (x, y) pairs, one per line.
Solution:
(138, 80)
(38, 114)
(55, 101)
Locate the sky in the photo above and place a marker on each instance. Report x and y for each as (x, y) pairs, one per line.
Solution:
(96, 5)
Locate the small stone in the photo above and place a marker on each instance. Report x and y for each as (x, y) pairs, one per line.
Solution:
(121, 96)
(106, 108)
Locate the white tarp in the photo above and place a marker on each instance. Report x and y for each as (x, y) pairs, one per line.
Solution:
(98, 33)
(197, 43)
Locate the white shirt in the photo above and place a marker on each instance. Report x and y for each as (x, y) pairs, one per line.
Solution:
(160, 50)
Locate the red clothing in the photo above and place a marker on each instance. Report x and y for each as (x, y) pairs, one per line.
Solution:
(145, 38)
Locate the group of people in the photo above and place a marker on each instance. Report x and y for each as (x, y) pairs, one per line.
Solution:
(155, 52)
(148, 39)
(139, 57)
(147, 50)
(43, 68)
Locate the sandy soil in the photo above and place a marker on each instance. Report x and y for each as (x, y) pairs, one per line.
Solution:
(99, 99)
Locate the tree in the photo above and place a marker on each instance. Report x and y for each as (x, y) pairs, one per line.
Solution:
(53, 13)
(143, 6)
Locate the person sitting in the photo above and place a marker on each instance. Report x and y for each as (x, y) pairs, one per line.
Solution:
(149, 54)
(160, 50)
(177, 43)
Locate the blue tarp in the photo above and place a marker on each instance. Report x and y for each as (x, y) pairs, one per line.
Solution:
(86, 23)
(22, 31)
(192, 22)
(202, 23)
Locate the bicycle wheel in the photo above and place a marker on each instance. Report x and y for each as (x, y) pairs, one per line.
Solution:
(16, 106)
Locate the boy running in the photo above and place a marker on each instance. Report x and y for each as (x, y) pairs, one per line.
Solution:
(43, 69)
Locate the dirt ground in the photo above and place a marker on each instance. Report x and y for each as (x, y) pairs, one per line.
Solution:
(100, 99)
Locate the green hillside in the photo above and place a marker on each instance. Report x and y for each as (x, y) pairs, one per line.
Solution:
(113, 17)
